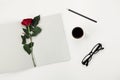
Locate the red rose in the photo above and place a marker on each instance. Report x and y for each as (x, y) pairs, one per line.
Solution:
(27, 22)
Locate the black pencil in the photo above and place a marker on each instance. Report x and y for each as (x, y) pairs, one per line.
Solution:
(82, 15)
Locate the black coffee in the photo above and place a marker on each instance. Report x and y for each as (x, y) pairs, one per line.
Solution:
(77, 32)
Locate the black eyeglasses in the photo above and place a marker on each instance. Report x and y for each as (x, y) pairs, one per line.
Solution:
(94, 50)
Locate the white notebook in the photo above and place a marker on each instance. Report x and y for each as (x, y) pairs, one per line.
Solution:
(50, 45)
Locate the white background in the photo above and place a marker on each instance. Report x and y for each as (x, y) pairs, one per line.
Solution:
(104, 66)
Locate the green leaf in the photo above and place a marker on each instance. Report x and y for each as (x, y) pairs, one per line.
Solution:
(26, 31)
(31, 44)
(27, 48)
(23, 39)
(36, 20)
(31, 28)
(36, 31)
(27, 36)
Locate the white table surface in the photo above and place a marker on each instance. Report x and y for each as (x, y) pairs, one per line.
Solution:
(104, 66)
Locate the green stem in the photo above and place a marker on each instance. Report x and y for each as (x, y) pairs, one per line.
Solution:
(31, 48)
